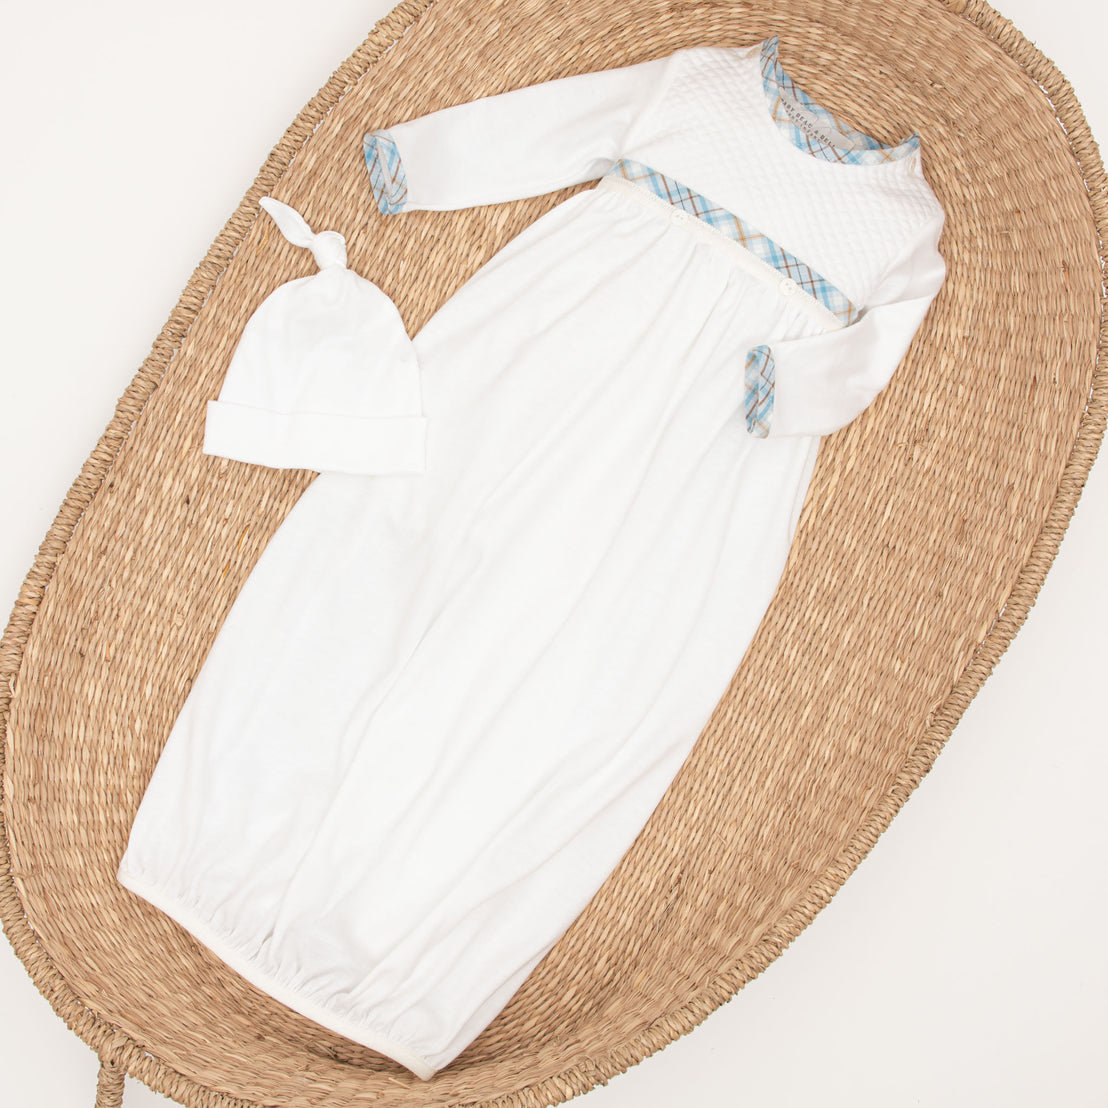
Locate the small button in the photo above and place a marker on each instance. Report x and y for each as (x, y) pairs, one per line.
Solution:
(677, 216)
(787, 287)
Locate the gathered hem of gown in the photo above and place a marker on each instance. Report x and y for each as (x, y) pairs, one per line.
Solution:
(251, 969)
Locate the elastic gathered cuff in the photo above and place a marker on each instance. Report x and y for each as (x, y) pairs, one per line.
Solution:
(316, 440)
(759, 381)
(247, 966)
(386, 172)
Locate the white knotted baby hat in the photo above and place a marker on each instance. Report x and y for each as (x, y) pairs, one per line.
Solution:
(324, 376)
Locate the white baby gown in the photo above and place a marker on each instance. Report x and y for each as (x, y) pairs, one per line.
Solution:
(445, 703)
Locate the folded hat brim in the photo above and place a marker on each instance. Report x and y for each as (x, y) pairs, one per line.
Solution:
(323, 441)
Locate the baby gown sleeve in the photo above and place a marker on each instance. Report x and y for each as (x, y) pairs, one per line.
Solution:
(526, 142)
(817, 384)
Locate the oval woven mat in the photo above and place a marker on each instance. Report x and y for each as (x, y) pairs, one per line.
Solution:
(927, 531)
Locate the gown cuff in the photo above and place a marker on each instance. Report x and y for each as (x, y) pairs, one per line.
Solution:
(759, 388)
(386, 172)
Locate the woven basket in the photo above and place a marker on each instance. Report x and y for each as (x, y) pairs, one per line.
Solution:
(928, 528)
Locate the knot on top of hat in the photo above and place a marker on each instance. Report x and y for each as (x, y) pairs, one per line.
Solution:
(327, 247)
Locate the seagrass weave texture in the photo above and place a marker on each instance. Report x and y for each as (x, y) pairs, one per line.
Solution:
(928, 528)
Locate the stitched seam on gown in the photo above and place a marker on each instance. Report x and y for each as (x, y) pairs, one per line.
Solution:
(787, 100)
(733, 227)
(738, 254)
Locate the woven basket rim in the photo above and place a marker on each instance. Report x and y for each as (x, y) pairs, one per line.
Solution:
(119, 1053)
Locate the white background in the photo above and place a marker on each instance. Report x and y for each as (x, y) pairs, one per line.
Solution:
(963, 964)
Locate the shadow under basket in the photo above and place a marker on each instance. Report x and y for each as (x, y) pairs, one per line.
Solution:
(928, 528)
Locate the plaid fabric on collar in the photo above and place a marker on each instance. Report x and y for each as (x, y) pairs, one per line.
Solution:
(734, 227)
(786, 98)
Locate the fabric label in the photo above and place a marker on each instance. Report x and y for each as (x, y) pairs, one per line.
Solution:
(812, 128)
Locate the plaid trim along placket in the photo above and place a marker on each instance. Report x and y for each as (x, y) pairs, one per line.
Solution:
(786, 98)
(386, 172)
(734, 227)
(758, 380)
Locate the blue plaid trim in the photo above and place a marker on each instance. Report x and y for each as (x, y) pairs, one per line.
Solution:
(758, 378)
(731, 225)
(386, 172)
(788, 102)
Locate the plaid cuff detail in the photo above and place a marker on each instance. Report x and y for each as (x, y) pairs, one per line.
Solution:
(386, 172)
(758, 379)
